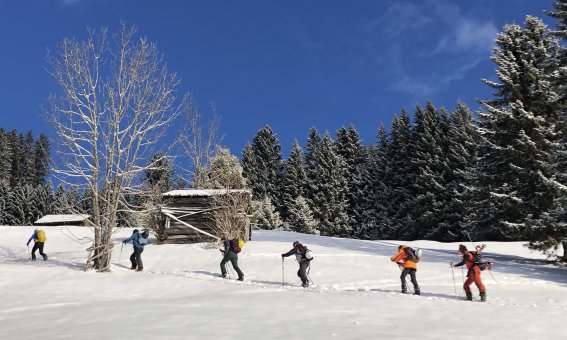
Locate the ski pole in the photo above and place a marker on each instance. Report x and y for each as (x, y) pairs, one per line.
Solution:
(230, 269)
(29, 254)
(309, 276)
(120, 257)
(283, 275)
(490, 272)
(463, 274)
(454, 284)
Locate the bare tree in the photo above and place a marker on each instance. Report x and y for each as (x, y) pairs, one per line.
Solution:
(230, 214)
(198, 146)
(116, 101)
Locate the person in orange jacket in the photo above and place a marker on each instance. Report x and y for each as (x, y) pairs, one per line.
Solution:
(473, 274)
(409, 265)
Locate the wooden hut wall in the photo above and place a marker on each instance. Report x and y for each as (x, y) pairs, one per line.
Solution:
(178, 232)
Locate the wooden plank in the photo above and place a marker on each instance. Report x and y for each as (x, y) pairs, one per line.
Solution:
(188, 225)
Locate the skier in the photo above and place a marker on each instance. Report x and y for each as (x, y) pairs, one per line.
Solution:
(139, 241)
(303, 257)
(230, 253)
(39, 239)
(406, 259)
(473, 274)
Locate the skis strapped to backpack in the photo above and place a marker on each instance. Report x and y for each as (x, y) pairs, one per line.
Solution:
(478, 259)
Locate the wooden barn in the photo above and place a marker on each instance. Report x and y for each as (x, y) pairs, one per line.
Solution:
(196, 215)
(55, 220)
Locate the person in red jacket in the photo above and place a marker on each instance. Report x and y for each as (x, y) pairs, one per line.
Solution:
(473, 274)
(407, 262)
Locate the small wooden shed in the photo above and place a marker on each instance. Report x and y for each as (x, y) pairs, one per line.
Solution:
(54, 220)
(188, 214)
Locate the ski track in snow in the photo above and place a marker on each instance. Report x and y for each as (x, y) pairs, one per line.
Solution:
(336, 289)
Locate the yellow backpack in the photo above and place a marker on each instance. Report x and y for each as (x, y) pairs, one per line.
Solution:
(241, 244)
(40, 236)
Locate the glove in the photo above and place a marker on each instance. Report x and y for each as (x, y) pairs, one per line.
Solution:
(451, 264)
(27, 244)
(283, 256)
(124, 242)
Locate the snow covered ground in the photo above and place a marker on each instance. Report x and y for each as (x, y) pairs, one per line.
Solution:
(356, 293)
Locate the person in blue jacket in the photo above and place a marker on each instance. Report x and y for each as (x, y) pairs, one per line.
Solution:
(38, 238)
(139, 241)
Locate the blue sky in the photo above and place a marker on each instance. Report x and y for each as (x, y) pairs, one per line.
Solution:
(290, 64)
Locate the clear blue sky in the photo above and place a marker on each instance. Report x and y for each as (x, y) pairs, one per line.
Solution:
(291, 64)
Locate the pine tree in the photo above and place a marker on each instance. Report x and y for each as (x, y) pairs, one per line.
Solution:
(329, 202)
(516, 184)
(551, 231)
(4, 198)
(399, 178)
(5, 156)
(312, 148)
(301, 217)
(59, 205)
(20, 206)
(349, 146)
(226, 172)
(293, 180)
(461, 139)
(424, 209)
(160, 174)
(27, 160)
(263, 170)
(375, 189)
(266, 215)
(41, 159)
(249, 166)
(16, 145)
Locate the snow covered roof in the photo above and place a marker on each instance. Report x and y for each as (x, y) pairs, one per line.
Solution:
(201, 192)
(62, 218)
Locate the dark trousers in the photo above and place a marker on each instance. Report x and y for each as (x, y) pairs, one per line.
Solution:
(136, 258)
(233, 258)
(411, 272)
(302, 272)
(36, 246)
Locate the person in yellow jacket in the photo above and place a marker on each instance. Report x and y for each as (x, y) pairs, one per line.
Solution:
(405, 258)
(39, 239)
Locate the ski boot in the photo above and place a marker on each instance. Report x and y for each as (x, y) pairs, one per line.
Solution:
(483, 296)
(44, 257)
(404, 289)
(469, 296)
(417, 292)
(305, 284)
(241, 278)
(223, 276)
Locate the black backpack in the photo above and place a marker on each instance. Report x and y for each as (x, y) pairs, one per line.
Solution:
(412, 254)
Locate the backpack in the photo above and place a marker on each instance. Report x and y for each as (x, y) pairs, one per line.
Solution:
(41, 236)
(413, 254)
(234, 246)
(142, 240)
(308, 254)
(478, 260)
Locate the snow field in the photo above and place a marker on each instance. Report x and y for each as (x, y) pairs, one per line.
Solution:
(356, 295)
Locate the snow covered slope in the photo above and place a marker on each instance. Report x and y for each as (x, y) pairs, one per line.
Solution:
(356, 295)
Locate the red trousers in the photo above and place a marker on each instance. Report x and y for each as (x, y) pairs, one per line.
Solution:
(474, 276)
